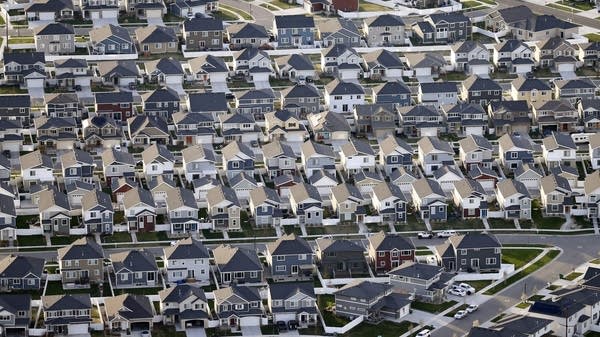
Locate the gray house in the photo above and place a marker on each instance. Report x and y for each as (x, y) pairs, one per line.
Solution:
(77, 165)
(306, 203)
(290, 257)
(426, 282)
(246, 34)
(203, 34)
(265, 206)
(395, 153)
(67, 314)
(294, 30)
(340, 258)
(162, 103)
(317, 157)
(384, 30)
(232, 304)
(478, 252)
(338, 31)
(237, 265)
(429, 200)
(293, 301)
(16, 309)
(371, 300)
(97, 212)
(21, 272)
(134, 269)
(255, 101)
(301, 99)
(111, 39)
(55, 39)
(237, 158)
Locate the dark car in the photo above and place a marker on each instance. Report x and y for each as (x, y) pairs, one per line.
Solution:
(292, 325)
(78, 88)
(281, 325)
(229, 96)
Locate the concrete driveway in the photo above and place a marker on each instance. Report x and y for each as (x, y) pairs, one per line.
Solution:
(219, 87)
(568, 75)
(155, 21)
(262, 84)
(97, 23)
(195, 332)
(252, 330)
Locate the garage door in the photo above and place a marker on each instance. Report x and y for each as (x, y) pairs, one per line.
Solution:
(423, 72)
(95, 15)
(110, 14)
(75, 329)
(250, 321)
(530, 183)
(566, 67)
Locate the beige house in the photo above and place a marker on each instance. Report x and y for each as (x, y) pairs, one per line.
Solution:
(530, 89)
(81, 263)
(156, 40)
(55, 39)
(384, 30)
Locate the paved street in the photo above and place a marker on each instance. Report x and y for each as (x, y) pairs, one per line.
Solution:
(541, 9)
(262, 16)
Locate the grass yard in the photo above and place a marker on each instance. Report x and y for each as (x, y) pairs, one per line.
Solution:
(383, 329)
(572, 276)
(326, 304)
(64, 240)
(316, 330)
(453, 76)
(138, 291)
(523, 305)
(31, 240)
(238, 11)
(20, 40)
(284, 4)
(457, 223)
(2, 22)
(519, 257)
(432, 308)
(167, 331)
(56, 288)
(23, 221)
(423, 252)
(364, 6)
(478, 285)
(117, 237)
(289, 229)
(470, 4)
(208, 234)
(152, 236)
(593, 37)
(580, 5)
(497, 223)
(543, 222)
(412, 224)
(563, 8)
(225, 16)
(269, 329)
(531, 269)
(251, 231)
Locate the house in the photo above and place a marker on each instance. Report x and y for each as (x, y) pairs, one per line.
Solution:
(81, 263)
(366, 181)
(519, 325)
(255, 101)
(316, 157)
(565, 309)
(235, 304)
(530, 89)
(538, 27)
(594, 150)
(208, 69)
(198, 161)
(427, 283)
(591, 192)
(375, 120)
(120, 186)
(470, 198)
(242, 184)
(139, 210)
(480, 90)
(587, 53)
(75, 192)
(437, 93)
(237, 265)
(97, 211)
(568, 172)
(290, 257)
(425, 65)
(529, 175)
(392, 92)
(575, 89)
(163, 103)
(515, 149)
(21, 273)
(341, 61)
(370, 300)
(306, 204)
(56, 133)
(17, 308)
(36, 168)
(330, 128)
(342, 96)
(111, 39)
(193, 128)
(295, 67)
(49, 10)
(340, 258)
(294, 30)
(301, 99)
(159, 188)
(72, 72)
(589, 112)
(265, 207)
(202, 186)
(559, 148)
(474, 151)
(429, 199)
(279, 158)
(68, 314)
(253, 64)
(55, 211)
(471, 57)
(433, 153)
(237, 158)
(285, 125)
(479, 252)
(77, 165)
(420, 121)
(146, 9)
(293, 302)
(19, 68)
(164, 71)
(285, 182)
(187, 259)
(129, 312)
(157, 160)
(156, 40)
(239, 127)
(184, 305)
(223, 208)
(357, 156)
(245, 35)
(514, 199)
(182, 210)
(394, 153)
(209, 104)
(323, 181)
(388, 251)
(117, 164)
(555, 53)
(121, 73)
(97, 10)
(15, 107)
(513, 56)
(389, 201)
(55, 39)
(556, 195)
(338, 30)
(446, 176)
(191, 8)
(485, 176)
(116, 105)
(134, 269)
(348, 203)
(383, 64)
(384, 30)
(101, 131)
(442, 28)
(204, 33)
(508, 117)
(464, 119)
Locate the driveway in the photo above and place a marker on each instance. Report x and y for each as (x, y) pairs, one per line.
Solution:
(97, 23)
(155, 21)
(219, 87)
(36, 92)
(261, 16)
(195, 332)
(262, 85)
(252, 330)
(568, 75)
(425, 79)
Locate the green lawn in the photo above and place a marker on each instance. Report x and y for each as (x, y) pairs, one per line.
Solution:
(423, 252)
(524, 273)
(138, 291)
(430, 307)
(152, 236)
(519, 257)
(238, 11)
(166, 331)
(172, 18)
(457, 223)
(364, 6)
(208, 234)
(23, 221)
(251, 231)
(284, 4)
(478, 285)
(572, 276)
(563, 8)
(20, 39)
(593, 37)
(546, 222)
(117, 237)
(131, 19)
(55, 288)
(413, 224)
(581, 5)
(225, 16)
(453, 76)
(497, 223)
(523, 305)
(270, 329)
(292, 229)
(31, 240)
(12, 90)
(326, 303)
(64, 240)
(2, 22)
(470, 4)
(383, 329)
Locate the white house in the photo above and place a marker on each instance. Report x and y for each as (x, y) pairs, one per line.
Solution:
(470, 197)
(158, 161)
(187, 259)
(356, 156)
(36, 168)
(559, 148)
(341, 97)
(514, 199)
(433, 153)
(198, 162)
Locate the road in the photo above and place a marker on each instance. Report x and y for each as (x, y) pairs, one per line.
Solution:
(541, 9)
(261, 16)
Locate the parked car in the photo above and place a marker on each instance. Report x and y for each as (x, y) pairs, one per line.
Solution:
(281, 325)
(425, 235)
(446, 234)
(467, 288)
(472, 308)
(458, 292)
(292, 325)
(424, 333)
(460, 314)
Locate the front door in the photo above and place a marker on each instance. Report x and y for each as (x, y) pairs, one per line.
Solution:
(294, 269)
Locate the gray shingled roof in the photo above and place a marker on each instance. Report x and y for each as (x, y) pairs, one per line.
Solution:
(363, 289)
(134, 261)
(203, 24)
(12, 266)
(81, 249)
(232, 259)
(285, 290)
(416, 270)
(385, 242)
(129, 306)
(289, 244)
(294, 21)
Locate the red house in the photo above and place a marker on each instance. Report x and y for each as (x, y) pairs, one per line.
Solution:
(116, 105)
(140, 210)
(388, 251)
(121, 186)
(344, 5)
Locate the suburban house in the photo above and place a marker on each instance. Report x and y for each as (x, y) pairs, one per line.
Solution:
(589, 112)
(81, 263)
(55, 39)
(294, 30)
(300, 99)
(338, 30)
(348, 203)
(340, 258)
(508, 117)
(157, 161)
(392, 92)
(187, 259)
(515, 149)
(306, 204)
(429, 200)
(425, 282)
(139, 210)
(514, 199)
(470, 199)
(198, 162)
(265, 206)
(36, 168)
(295, 67)
(68, 314)
(395, 153)
(184, 305)
(156, 40)
(471, 57)
(223, 208)
(556, 195)
(555, 115)
(134, 269)
(204, 33)
(316, 157)
(116, 105)
(388, 251)
(479, 252)
(377, 120)
(236, 303)
(475, 150)
(237, 158)
(330, 128)
(279, 159)
(530, 89)
(182, 210)
(342, 96)
(290, 258)
(442, 28)
(357, 156)
(574, 89)
(55, 211)
(389, 201)
(559, 148)
(513, 56)
(21, 273)
(293, 302)
(370, 300)
(117, 164)
(129, 312)
(237, 265)
(434, 153)
(17, 308)
(437, 93)
(464, 119)
(480, 90)
(111, 39)
(246, 34)
(97, 212)
(384, 30)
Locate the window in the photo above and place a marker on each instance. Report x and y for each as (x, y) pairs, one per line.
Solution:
(463, 252)
(381, 254)
(239, 307)
(490, 260)
(280, 268)
(280, 257)
(514, 155)
(302, 257)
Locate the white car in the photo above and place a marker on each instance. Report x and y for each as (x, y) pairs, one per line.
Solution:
(472, 308)
(467, 288)
(458, 292)
(446, 234)
(425, 235)
(460, 314)
(424, 333)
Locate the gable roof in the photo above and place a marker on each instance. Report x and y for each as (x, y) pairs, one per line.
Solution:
(296, 61)
(232, 259)
(294, 21)
(232, 149)
(134, 261)
(102, 33)
(289, 244)
(337, 87)
(327, 245)
(392, 143)
(247, 30)
(165, 65)
(95, 198)
(202, 24)
(429, 144)
(155, 34)
(12, 266)
(386, 242)
(357, 147)
(81, 249)
(474, 241)
(416, 270)
(425, 187)
(187, 248)
(285, 290)
(248, 294)
(304, 191)
(181, 292)
(363, 289)
(66, 302)
(129, 307)
(300, 90)
(392, 88)
(54, 28)
(384, 21)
